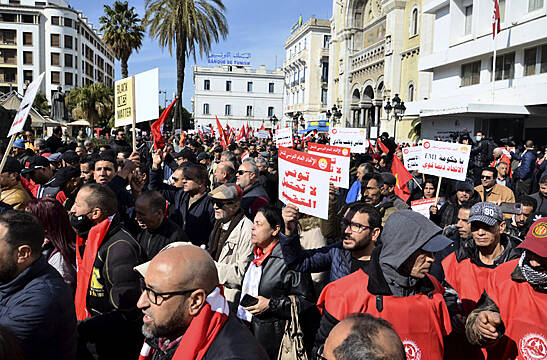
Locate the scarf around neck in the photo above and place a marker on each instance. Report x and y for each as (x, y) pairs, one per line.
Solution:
(219, 237)
(535, 278)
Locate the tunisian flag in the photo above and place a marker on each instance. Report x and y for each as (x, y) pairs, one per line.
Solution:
(156, 126)
(403, 176)
(496, 19)
(241, 134)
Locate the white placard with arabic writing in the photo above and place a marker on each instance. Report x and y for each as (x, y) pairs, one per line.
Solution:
(422, 206)
(304, 181)
(340, 157)
(411, 157)
(445, 159)
(24, 108)
(354, 138)
(283, 137)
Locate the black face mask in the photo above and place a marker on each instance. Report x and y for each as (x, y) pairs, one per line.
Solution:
(81, 223)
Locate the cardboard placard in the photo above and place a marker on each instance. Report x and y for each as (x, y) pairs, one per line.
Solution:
(354, 138)
(340, 157)
(422, 206)
(25, 106)
(283, 137)
(411, 157)
(444, 159)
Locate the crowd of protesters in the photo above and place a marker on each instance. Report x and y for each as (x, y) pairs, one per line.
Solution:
(186, 252)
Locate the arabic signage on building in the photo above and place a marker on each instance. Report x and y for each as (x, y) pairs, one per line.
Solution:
(283, 137)
(411, 157)
(304, 181)
(230, 58)
(449, 160)
(340, 157)
(354, 138)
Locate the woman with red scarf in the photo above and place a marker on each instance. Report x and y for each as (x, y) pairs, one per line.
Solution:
(268, 283)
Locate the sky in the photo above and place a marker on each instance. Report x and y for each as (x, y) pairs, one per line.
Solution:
(260, 27)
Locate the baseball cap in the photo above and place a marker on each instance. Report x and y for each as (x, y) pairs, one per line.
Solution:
(226, 192)
(34, 163)
(436, 243)
(70, 157)
(486, 212)
(202, 156)
(143, 268)
(19, 143)
(186, 154)
(12, 165)
(536, 238)
(55, 157)
(63, 175)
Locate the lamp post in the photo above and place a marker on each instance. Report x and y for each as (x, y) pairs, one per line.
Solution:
(398, 111)
(336, 114)
(273, 121)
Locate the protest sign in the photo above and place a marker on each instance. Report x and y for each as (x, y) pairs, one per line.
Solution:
(354, 138)
(262, 134)
(340, 157)
(136, 98)
(283, 137)
(422, 206)
(304, 181)
(411, 157)
(25, 106)
(444, 159)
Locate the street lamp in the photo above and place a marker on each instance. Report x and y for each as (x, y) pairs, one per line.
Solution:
(336, 114)
(273, 120)
(398, 110)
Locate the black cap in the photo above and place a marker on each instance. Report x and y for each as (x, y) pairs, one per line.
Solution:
(464, 186)
(12, 165)
(63, 175)
(34, 163)
(186, 154)
(70, 157)
(202, 156)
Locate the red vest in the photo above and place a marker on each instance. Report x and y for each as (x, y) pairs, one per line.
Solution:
(468, 279)
(420, 320)
(524, 313)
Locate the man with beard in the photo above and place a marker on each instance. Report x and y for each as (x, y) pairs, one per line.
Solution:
(519, 224)
(87, 169)
(35, 303)
(230, 243)
(541, 196)
(448, 213)
(185, 313)
(158, 231)
(361, 227)
(107, 288)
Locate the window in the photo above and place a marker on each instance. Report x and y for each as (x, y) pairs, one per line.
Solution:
(468, 19)
(410, 93)
(68, 22)
(249, 86)
(27, 19)
(205, 109)
(228, 85)
(271, 88)
(249, 110)
(414, 22)
(535, 60)
(326, 41)
(470, 73)
(228, 110)
(68, 42)
(206, 84)
(229, 67)
(6, 17)
(27, 38)
(39, 3)
(55, 77)
(55, 59)
(324, 93)
(75, 44)
(68, 60)
(270, 111)
(505, 66)
(55, 20)
(68, 79)
(27, 57)
(55, 40)
(535, 5)
(15, 2)
(27, 76)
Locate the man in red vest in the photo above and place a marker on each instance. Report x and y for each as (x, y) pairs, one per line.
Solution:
(511, 316)
(397, 287)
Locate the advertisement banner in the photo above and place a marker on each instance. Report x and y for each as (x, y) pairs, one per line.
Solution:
(354, 138)
(422, 206)
(304, 181)
(340, 157)
(449, 160)
(283, 137)
(411, 157)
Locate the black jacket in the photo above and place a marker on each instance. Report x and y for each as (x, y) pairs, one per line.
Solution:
(38, 307)
(152, 241)
(448, 213)
(126, 204)
(479, 153)
(53, 143)
(277, 283)
(233, 342)
(114, 289)
(254, 198)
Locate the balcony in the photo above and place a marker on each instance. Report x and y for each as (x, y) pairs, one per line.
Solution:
(368, 59)
(8, 39)
(8, 78)
(8, 57)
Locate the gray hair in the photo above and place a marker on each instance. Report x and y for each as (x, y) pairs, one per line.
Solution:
(261, 161)
(252, 166)
(88, 142)
(40, 142)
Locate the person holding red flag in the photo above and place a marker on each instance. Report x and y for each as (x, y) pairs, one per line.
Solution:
(155, 128)
(402, 177)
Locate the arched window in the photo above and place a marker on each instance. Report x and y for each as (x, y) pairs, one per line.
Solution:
(410, 93)
(414, 22)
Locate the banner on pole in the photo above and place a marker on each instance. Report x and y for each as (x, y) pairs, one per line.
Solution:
(411, 157)
(340, 158)
(283, 137)
(449, 160)
(25, 106)
(353, 138)
(304, 181)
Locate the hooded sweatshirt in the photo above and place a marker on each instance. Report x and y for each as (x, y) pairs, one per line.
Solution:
(405, 232)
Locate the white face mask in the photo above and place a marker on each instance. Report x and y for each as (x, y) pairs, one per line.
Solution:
(478, 138)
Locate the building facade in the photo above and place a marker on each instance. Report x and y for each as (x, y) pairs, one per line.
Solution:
(457, 52)
(306, 70)
(51, 37)
(237, 95)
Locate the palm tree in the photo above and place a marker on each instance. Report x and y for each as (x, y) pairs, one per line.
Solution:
(190, 25)
(94, 103)
(122, 31)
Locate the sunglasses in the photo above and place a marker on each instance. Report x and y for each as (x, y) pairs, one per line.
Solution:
(222, 203)
(241, 172)
(487, 177)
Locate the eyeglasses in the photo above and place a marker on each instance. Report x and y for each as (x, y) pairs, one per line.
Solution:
(487, 177)
(221, 203)
(187, 178)
(241, 172)
(174, 179)
(320, 351)
(354, 227)
(157, 298)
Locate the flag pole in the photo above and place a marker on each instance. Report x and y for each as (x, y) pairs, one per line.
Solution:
(494, 72)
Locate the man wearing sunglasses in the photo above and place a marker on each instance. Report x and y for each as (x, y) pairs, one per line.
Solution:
(254, 194)
(230, 242)
(490, 190)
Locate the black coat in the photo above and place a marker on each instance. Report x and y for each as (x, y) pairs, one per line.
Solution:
(277, 283)
(253, 199)
(38, 307)
(152, 241)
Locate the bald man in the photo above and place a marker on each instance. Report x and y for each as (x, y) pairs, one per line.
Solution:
(181, 302)
(363, 336)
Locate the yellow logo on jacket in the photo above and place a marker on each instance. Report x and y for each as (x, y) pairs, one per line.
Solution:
(95, 287)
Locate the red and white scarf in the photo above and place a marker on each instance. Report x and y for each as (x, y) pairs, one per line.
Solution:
(202, 330)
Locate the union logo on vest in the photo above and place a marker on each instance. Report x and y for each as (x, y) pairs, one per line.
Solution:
(533, 347)
(412, 350)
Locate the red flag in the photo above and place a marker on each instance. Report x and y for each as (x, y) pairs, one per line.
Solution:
(403, 176)
(370, 147)
(241, 134)
(382, 146)
(201, 135)
(496, 19)
(262, 127)
(155, 128)
(221, 132)
(212, 130)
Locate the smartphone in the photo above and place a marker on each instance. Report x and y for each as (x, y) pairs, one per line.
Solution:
(248, 300)
(511, 208)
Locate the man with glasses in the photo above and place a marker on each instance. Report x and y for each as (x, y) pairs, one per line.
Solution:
(360, 226)
(185, 312)
(230, 242)
(489, 190)
(254, 194)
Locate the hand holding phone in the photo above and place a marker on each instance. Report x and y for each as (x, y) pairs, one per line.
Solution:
(248, 300)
